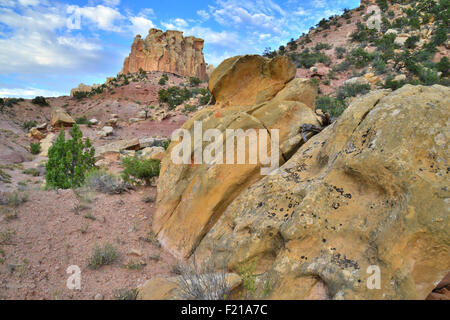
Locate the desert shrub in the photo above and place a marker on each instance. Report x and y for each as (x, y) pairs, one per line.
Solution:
(344, 65)
(443, 66)
(428, 76)
(102, 181)
(400, 22)
(390, 83)
(292, 45)
(173, 96)
(352, 90)
(334, 107)
(163, 80)
(80, 95)
(268, 53)
(103, 256)
(166, 144)
(307, 59)
(440, 35)
(32, 172)
(204, 283)
(248, 275)
(14, 199)
(324, 24)
(136, 171)
(82, 120)
(205, 96)
(2, 101)
(126, 294)
(4, 177)
(322, 46)
(411, 42)
(39, 100)
(340, 51)
(379, 65)
(360, 58)
(27, 125)
(69, 161)
(194, 82)
(363, 33)
(383, 4)
(35, 148)
(189, 108)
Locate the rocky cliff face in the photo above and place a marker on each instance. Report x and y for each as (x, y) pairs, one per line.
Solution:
(168, 52)
(370, 191)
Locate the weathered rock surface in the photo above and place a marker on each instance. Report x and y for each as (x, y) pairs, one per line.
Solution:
(168, 52)
(369, 190)
(59, 117)
(192, 197)
(83, 88)
(249, 80)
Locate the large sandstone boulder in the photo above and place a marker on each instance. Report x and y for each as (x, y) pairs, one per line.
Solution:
(250, 79)
(191, 197)
(370, 191)
(59, 117)
(168, 52)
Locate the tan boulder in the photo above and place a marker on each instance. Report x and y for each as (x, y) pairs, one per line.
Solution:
(205, 190)
(116, 147)
(370, 191)
(251, 79)
(155, 153)
(46, 143)
(59, 117)
(35, 133)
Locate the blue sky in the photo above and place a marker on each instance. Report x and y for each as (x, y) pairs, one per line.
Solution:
(48, 47)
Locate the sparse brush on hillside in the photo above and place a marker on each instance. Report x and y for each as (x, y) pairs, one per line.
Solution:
(39, 100)
(331, 105)
(163, 80)
(69, 161)
(35, 148)
(203, 283)
(194, 82)
(137, 171)
(102, 181)
(352, 90)
(27, 125)
(173, 96)
(103, 256)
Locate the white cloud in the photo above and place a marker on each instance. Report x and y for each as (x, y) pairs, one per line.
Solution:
(111, 3)
(203, 14)
(105, 18)
(28, 92)
(175, 24)
(319, 3)
(301, 12)
(141, 25)
(29, 2)
(35, 44)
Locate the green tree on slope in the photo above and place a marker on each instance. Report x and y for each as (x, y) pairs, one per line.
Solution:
(69, 161)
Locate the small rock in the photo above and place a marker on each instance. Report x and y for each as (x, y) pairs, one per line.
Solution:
(93, 121)
(135, 252)
(98, 296)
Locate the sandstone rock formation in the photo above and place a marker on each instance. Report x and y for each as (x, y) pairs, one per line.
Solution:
(83, 88)
(59, 117)
(192, 197)
(369, 191)
(168, 52)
